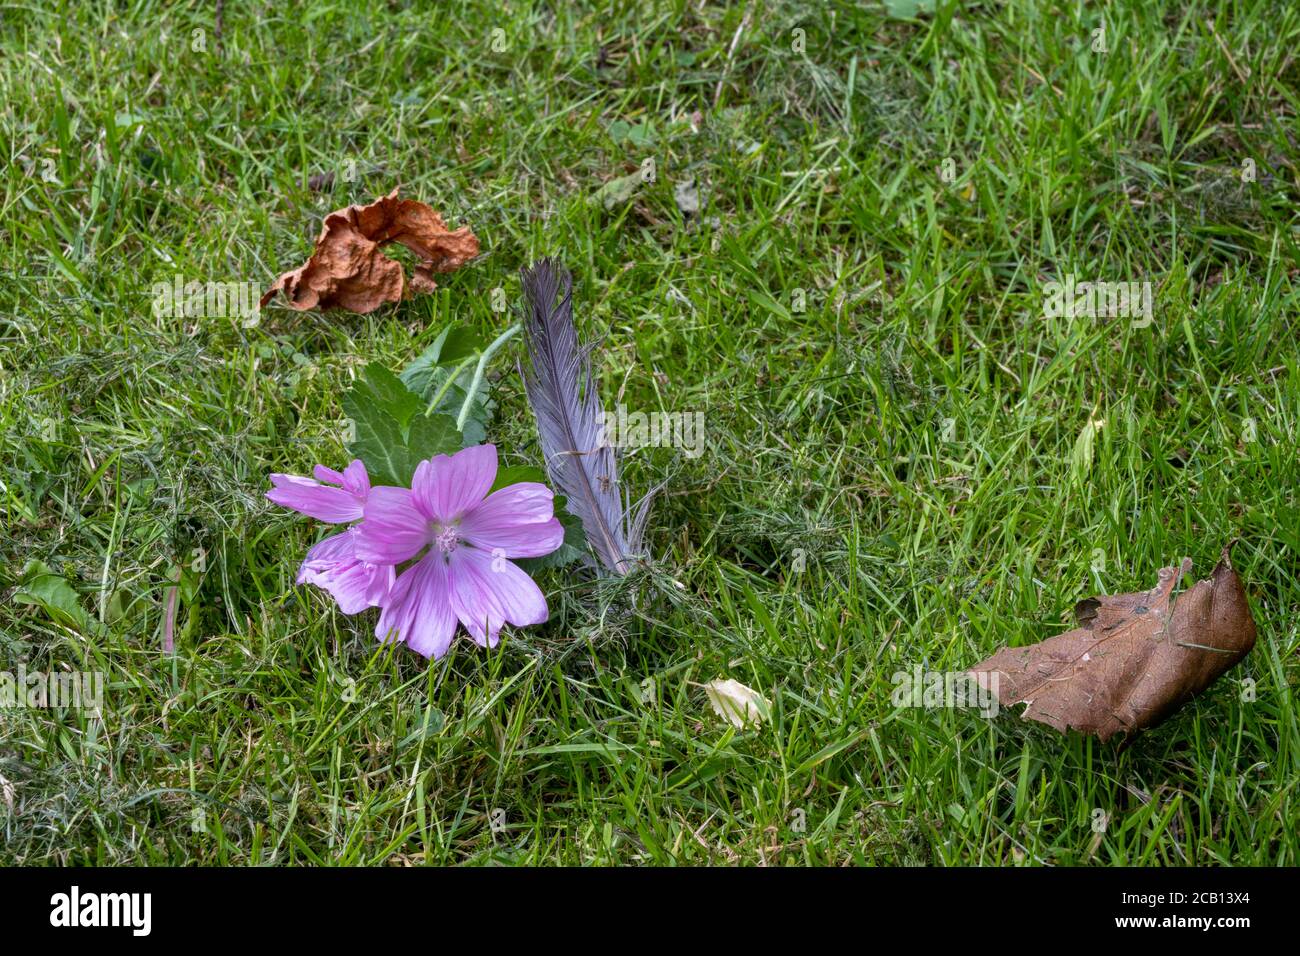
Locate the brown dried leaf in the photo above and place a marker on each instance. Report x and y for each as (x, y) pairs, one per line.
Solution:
(347, 270)
(1134, 659)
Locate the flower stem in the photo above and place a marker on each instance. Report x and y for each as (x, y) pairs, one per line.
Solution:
(478, 372)
(451, 380)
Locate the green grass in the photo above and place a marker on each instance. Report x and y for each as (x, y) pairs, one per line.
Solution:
(908, 438)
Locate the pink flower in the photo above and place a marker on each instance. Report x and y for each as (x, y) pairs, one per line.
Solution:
(332, 563)
(464, 575)
(355, 585)
(331, 505)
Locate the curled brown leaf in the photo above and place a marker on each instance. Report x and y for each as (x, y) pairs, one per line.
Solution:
(1134, 659)
(347, 270)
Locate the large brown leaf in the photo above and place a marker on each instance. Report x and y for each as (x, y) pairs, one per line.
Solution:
(348, 271)
(1134, 659)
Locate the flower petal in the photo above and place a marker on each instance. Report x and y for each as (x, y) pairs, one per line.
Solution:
(446, 486)
(381, 583)
(310, 497)
(355, 480)
(486, 591)
(518, 519)
(335, 548)
(328, 475)
(355, 585)
(417, 610)
(392, 530)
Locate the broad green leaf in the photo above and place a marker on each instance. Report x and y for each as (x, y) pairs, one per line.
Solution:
(389, 394)
(514, 474)
(453, 398)
(427, 377)
(43, 588)
(378, 440)
(393, 434)
(452, 346)
(432, 435)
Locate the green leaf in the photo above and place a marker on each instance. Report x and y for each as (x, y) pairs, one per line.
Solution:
(642, 135)
(378, 440)
(908, 9)
(430, 727)
(393, 435)
(452, 346)
(480, 410)
(400, 420)
(43, 588)
(514, 474)
(453, 397)
(573, 548)
(428, 374)
(124, 605)
(388, 393)
(616, 192)
(432, 435)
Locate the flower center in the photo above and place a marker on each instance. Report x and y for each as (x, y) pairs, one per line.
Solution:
(445, 537)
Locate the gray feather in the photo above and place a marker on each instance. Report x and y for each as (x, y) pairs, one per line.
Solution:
(581, 464)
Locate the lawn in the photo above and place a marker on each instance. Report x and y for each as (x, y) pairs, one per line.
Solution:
(907, 461)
